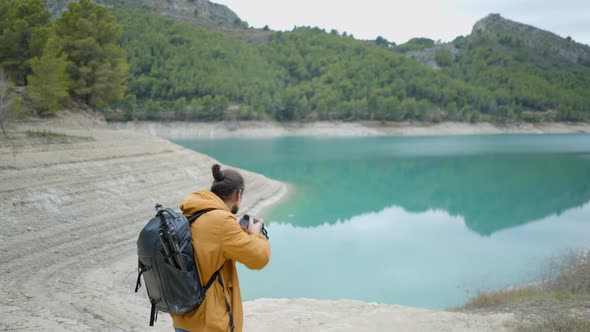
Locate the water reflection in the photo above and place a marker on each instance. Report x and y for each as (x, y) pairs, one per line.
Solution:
(490, 192)
(493, 182)
(426, 259)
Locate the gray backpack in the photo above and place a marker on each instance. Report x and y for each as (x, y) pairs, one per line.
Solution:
(167, 263)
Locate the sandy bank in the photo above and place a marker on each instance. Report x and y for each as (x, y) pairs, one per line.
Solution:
(73, 206)
(268, 315)
(340, 129)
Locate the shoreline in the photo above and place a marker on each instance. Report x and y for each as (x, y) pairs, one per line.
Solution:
(260, 129)
(262, 209)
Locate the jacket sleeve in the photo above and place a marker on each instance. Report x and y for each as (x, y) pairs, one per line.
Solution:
(251, 250)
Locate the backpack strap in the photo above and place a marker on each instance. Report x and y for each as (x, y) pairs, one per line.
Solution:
(213, 277)
(194, 217)
(139, 273)
(153, 313)
(140, 270)
(217, 276)
(231, 315)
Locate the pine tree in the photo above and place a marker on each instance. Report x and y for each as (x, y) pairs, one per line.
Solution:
(24, 29)
(49, 83)
(88, 34)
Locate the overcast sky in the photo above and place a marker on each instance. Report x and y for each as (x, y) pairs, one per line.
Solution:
(399, 21)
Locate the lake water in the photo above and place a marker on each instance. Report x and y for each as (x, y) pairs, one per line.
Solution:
(416, 221)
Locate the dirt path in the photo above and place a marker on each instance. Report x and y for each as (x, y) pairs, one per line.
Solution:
(73, 206)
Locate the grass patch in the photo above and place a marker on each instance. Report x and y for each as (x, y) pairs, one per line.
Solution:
(569, 274)
(567, 277)
(560, 302)
(501, 298)
(558, 323)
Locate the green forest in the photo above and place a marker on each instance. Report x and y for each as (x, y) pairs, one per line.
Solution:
(133, 64)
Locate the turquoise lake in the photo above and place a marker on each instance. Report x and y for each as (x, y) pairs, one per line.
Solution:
(418, 221)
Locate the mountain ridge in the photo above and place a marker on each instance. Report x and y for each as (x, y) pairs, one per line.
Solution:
(217, 17)
(497, 27)
(207, 13)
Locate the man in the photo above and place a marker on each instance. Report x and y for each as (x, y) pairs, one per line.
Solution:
(219, 240)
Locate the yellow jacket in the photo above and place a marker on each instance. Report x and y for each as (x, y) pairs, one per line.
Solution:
(217, 238)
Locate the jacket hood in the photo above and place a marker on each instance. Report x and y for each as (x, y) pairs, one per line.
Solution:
(201, 200)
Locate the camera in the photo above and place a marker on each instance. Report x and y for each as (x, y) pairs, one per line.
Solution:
(245, 222)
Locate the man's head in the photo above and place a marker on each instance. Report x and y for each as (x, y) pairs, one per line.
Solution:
(229, 186)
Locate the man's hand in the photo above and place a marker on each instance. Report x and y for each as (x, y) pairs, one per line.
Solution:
(255, 228)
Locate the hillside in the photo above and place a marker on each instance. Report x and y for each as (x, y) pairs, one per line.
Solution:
(527, 73)
(197, 61)
(309, 74)
(506, 32)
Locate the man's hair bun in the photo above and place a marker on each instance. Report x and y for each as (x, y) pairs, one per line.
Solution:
(226, 183)
(217, 173)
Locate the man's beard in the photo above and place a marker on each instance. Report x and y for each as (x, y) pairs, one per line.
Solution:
(235, 209)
